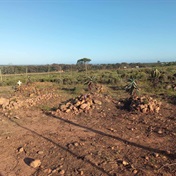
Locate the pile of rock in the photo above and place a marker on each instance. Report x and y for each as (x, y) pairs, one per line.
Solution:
(82, 103)
(145, 104)
(15, 102)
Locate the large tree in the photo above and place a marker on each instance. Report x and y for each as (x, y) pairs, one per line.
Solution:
(84, 61)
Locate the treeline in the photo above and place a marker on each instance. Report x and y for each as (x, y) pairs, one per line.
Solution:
(20, 69)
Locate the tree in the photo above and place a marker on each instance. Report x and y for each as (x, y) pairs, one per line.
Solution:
(85, 62)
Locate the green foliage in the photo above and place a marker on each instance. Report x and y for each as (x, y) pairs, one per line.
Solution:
(131, 87)
(155, 77)
(155, 73)
(91, 82)
(114, 79)
(83, 61)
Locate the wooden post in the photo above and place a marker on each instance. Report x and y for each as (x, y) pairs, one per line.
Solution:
(26, 71)
(49, 70)
(0, 75)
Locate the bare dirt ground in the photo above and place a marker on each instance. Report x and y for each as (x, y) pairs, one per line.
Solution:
(107, 140)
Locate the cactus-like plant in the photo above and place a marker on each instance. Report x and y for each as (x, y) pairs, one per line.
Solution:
(91, 82)
(155, 77)
(132, 87)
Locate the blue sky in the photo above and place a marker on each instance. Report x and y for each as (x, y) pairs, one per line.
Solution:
(106, 31)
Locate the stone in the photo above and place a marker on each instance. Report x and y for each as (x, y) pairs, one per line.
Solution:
(77, 103)
(156, 155)
(48, 171)
(81, 172)
(135, 171)
(68, 110)
(124, 163)
(76, 144)
(36, 163)
(40, 152)
(160, 131)
(97, 102)
(146, 157)
(20, 149)
(62, 172)
(54, 171)
(16, 117)
(83, 106)
(63, 107)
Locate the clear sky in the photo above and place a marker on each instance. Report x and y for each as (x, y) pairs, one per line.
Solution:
(106, 31)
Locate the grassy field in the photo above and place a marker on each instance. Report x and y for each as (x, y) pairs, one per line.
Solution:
(114, 79)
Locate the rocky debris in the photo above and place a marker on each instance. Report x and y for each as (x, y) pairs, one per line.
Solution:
(36, 163)
(144, 104)
(4, 101)
(14, 103)
(82, 103)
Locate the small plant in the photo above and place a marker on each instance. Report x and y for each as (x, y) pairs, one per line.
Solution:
(93, 86)
(155, 77)
(132, 87)
(91, 83)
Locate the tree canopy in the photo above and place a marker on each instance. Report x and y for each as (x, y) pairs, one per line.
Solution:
(83, 61)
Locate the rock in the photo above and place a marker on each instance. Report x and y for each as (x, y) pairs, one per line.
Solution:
(40, 152)
(54, 171)
(146, 157)
(135, 171)
(160, 131)
(68, 110)
(156, 155)
(76, 144)
(124, 163)
(63, 107)
(77, 103)
(68, 104)
(20, 149)
(16, 117)
(144, 110)
(157, 109)
(81, 172)
(36, 163)
(97, 102)
(62, 172)
(83, 106)
(48, 171)
(32, 95)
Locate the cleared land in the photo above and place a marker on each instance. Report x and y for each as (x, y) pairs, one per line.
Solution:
(38, 137)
